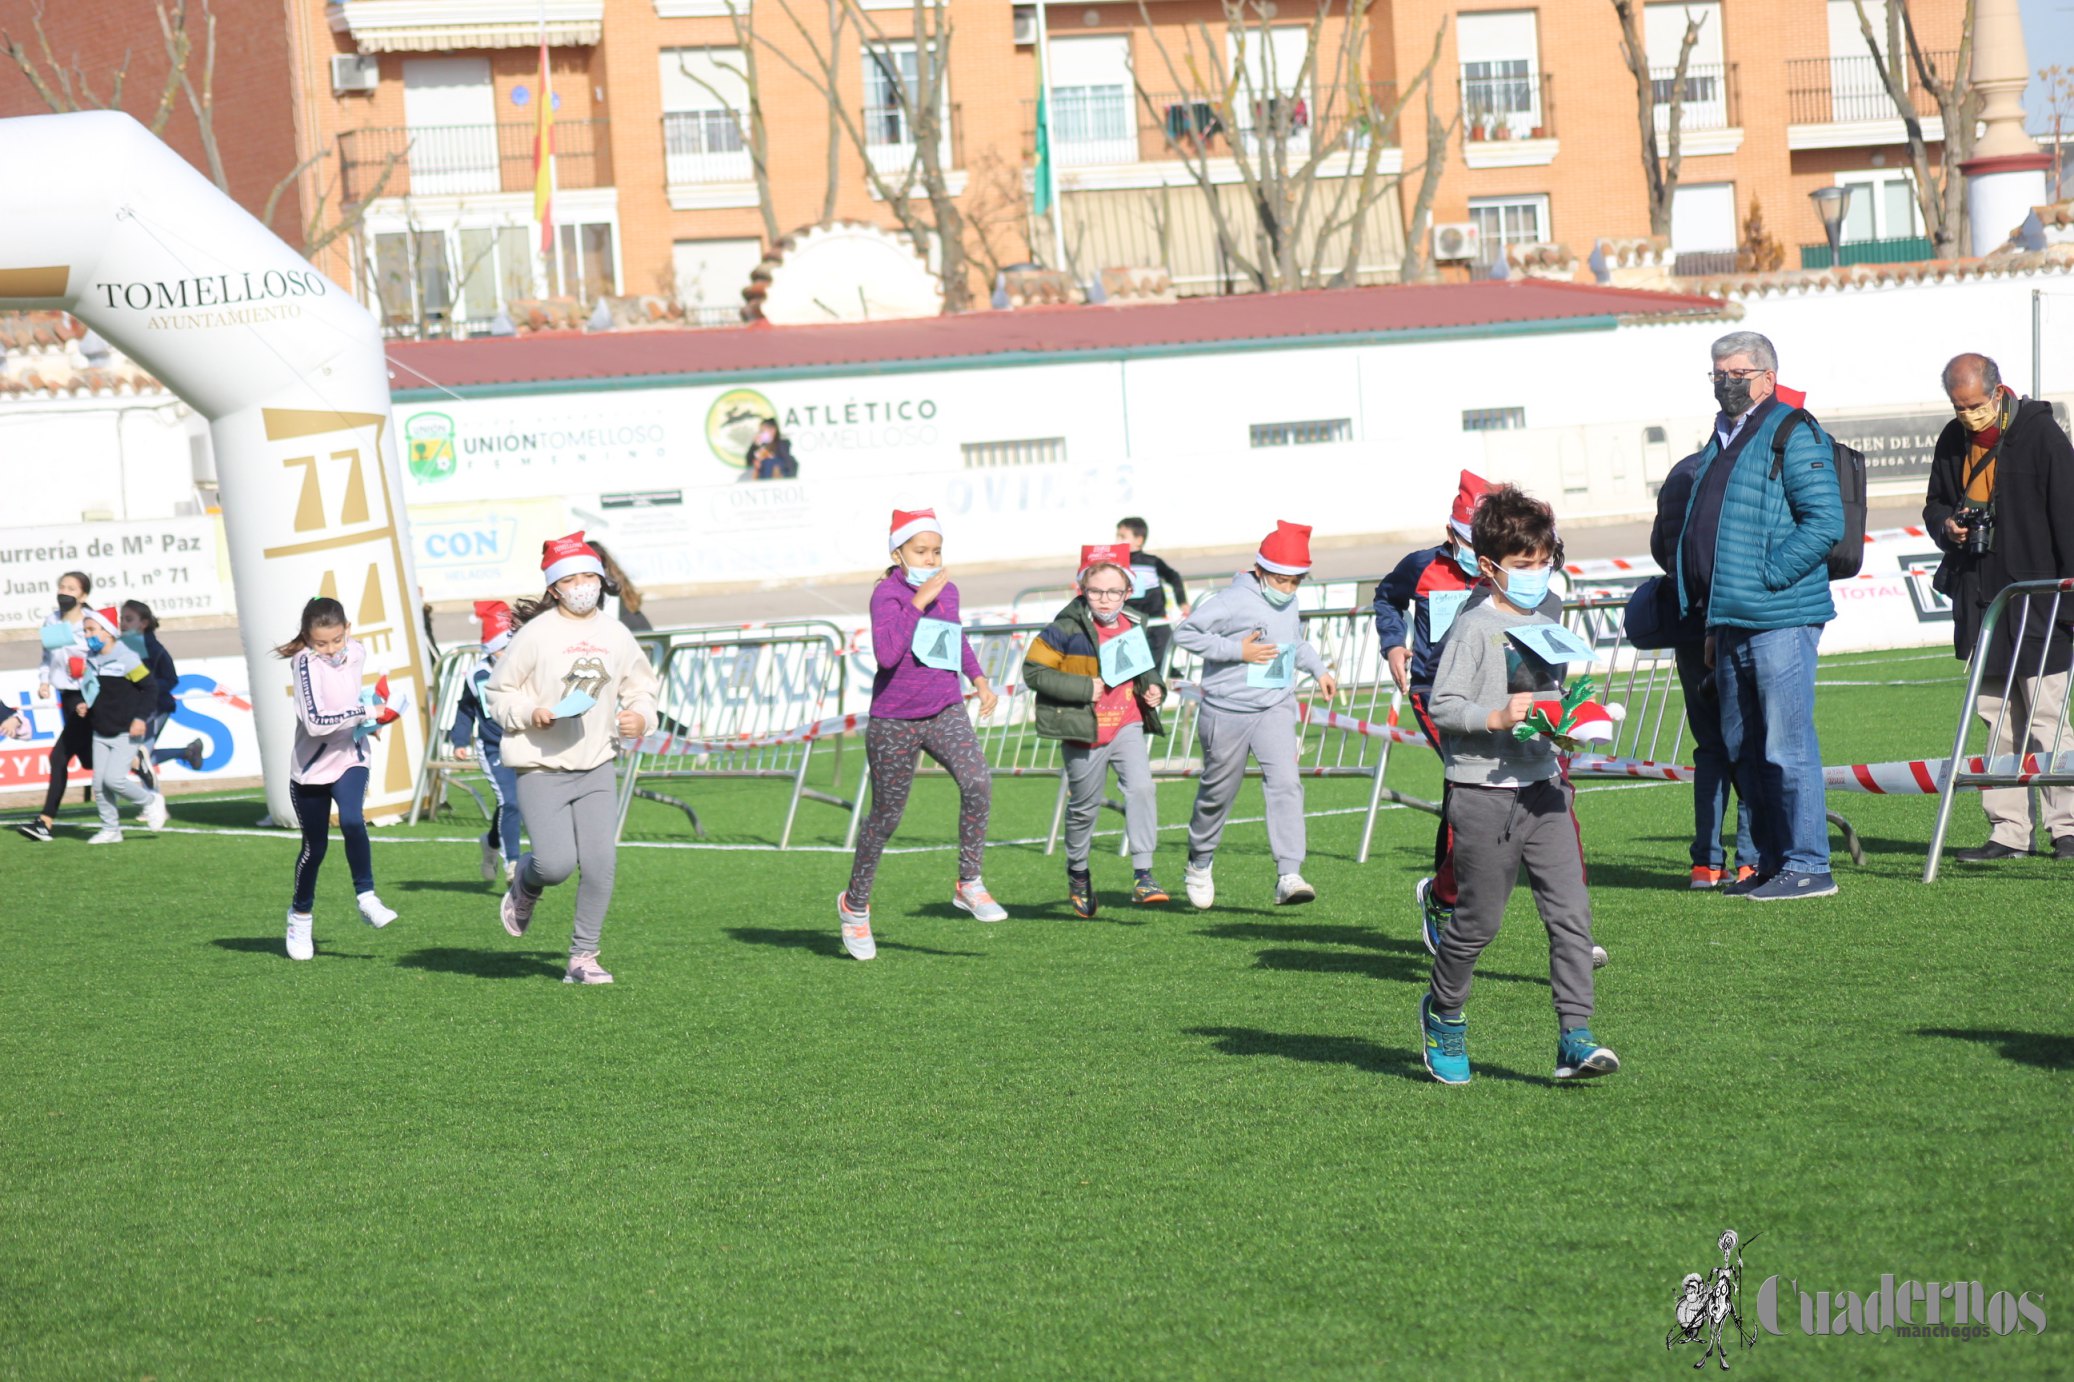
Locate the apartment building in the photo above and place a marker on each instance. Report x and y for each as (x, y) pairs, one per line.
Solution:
(418, 117)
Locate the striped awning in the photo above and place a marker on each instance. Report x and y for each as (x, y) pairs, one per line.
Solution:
(431, 26)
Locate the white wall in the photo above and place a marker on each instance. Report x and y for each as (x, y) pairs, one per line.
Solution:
(64, 459)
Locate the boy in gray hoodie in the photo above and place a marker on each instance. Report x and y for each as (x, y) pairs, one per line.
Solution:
(1508, 802)
(1250, 638)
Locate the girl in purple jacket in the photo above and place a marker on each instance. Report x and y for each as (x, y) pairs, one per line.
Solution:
(917, 704)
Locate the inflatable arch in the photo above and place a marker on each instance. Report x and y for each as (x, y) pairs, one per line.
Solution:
(101, 219)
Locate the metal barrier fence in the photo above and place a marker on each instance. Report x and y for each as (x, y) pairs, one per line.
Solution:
(1044, 601)
(2016, 753)
(441, 767)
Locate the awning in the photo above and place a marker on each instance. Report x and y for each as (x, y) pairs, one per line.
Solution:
(431, 26)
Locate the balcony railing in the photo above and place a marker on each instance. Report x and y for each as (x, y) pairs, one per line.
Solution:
(1711, 99)
(1496, 108)
(451, 160)
(1704, 263)
(889, 139)
(704, 146)
(1826, 91)
(1110, 125)
(1907, 249)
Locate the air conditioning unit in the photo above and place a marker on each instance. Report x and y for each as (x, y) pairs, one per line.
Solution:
(354, 72)
(1457, 240)
(1025, 26)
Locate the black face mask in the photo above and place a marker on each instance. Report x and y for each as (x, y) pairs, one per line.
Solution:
(67, 603)
(1733, 395)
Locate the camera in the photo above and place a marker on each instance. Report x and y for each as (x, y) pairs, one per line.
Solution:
(1979, 523)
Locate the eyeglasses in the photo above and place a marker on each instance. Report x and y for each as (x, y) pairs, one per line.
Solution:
(1722, 376)
(1115, 592)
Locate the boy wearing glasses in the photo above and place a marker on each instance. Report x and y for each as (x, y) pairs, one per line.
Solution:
(1250, 638)
(1104, 726)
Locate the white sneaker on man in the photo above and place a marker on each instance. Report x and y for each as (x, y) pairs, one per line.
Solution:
(373, 912)
(856, 928)
(1290, 889)
(1200, 886)
(299, 944)
(1598, 957)
(106, 835)
(972, 896)
(155, 813)
(490, 858)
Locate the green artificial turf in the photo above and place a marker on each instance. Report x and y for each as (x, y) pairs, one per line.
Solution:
(1159, 1145)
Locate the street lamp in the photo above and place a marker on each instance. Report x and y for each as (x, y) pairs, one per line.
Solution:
(1831, 203)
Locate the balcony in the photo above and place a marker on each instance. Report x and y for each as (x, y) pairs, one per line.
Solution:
(1710, 121)
(706, 163)
(1840, 103)
(467, 160)
(1907, 249)
(889, 141)
(1508, 122)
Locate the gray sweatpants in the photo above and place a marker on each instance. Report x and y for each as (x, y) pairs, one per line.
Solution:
(1498, 829)
(1226, 738)
(112, 755)
(1087, 772)
(572, 820)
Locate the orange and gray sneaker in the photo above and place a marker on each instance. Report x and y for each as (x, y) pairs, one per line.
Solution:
(856, 928)
(1145, 889)
(1704, 878)
(585, 969)
(1080, 888)
(971, 895)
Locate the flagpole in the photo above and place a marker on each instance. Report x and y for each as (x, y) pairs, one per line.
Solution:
(1050, 171)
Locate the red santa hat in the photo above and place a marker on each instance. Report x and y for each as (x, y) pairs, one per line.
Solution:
(1287, 550)
(907, 523)
(495, 618)
(1473, 488)
(569, 556)
(108, 617)
(1115, 553)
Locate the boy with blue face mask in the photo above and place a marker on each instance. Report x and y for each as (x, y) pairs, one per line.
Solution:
(1508, 802)
(120, 697)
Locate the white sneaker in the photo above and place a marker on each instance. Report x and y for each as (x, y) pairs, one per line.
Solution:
(299, 946)
(1290, 889)
(1200, 886)
(490, 858)
(154, 816)
(106, 835)
(1598, 957)
(856, 928)
(373, 912)
(973, 897)
(516, 909)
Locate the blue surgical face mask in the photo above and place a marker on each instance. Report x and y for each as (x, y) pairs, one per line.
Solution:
(1465, 557)
(1278, 599)
(1526, 589)
(134, 642)
(919, 576)
(94, 643)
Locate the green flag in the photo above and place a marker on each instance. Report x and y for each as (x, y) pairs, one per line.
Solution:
(1040, 200)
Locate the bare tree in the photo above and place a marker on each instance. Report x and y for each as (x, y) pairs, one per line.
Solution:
(1940, 195)
(1305, 148)
(1660, 165)
(66, 88)
(747, 116)
(1418, 264)
(997, 214)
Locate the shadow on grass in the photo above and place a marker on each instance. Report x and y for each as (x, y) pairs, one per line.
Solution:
(243, 815)
(264, 945)
(1358, 1052)
(452, 885)
(830, 943)
(485, 964)
(2042, 1049)
(1314, 934)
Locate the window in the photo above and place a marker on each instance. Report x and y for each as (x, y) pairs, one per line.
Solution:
(1091, 118)
(1706, 86)
(895, 74)
(1703, 219)
(1855, 89)
(1883, 206)
(1493, 419)
(1501, 81)
(1302, 433)
(1269, 100)
(451, 112)
(711, 275)
(990, 455)
(703, 92)
(432, 279)
(1509, 221)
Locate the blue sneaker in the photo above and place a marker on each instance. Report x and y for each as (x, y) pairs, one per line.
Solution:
(1433, 917)
(1788, 886)
(1446, 1044)
(1579, 1057)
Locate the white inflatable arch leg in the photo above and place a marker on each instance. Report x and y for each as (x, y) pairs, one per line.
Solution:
(101, 219)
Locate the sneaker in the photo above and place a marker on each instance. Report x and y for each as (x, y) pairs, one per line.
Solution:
(373, 912)
(141, 766)
(1988, 853)
(972, 896)
(1199, 885)
(1744, 873)
(1704, 878)
(34, 830)
(1579, 1057)
(1445, 1044)
(516, 910)
(1290, 890)
(2063, 846)
(1081, 889)
(1145, 889)
(585, 969)
(1433, 915)
(299, 945)
(192, 756)
(1746, 883)
(490, 858)
(106, 835)
(155, 813)
(1598, 957)
(1787, 886)
(856, 928)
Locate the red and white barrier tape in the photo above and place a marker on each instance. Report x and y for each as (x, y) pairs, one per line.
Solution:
(675, 746)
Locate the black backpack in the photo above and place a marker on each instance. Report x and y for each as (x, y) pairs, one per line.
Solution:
(1847, 557)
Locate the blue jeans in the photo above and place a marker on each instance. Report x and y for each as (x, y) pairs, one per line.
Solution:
(1712, 769)
(1767, 683)
(505, 821)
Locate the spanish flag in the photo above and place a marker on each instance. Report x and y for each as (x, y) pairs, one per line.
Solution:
(544, 152)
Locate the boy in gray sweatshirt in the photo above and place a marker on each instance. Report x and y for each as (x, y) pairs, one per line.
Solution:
(1250, 637)
(1508, 802)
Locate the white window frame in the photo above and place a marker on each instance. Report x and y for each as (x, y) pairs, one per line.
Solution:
(506, 211)
(1093, 118)
(1493, 245)
(1706, 75)
(702, 135)
(1519, 84)
(1251, 60)
(1873, 183)
(891, 159)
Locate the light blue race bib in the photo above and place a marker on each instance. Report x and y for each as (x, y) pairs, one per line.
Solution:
(573, 704)
(60, 635)
(939, 643)
(1552, 643)
(1125, 656)
(1441, 608)
(1277, 675)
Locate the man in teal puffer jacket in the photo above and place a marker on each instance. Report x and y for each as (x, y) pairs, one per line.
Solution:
(1752, 556)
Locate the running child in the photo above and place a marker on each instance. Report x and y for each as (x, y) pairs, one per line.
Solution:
(1432, 584)
(118, 698)
(917, 705)
(1252, 645)
(140, 622)
(569, 685)
(333, 722)
(472, 722)
(1508, 801)
(1103, 726)
(63, 671)
(1150, 577)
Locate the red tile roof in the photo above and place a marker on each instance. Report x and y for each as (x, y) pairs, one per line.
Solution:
(1194, 323)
